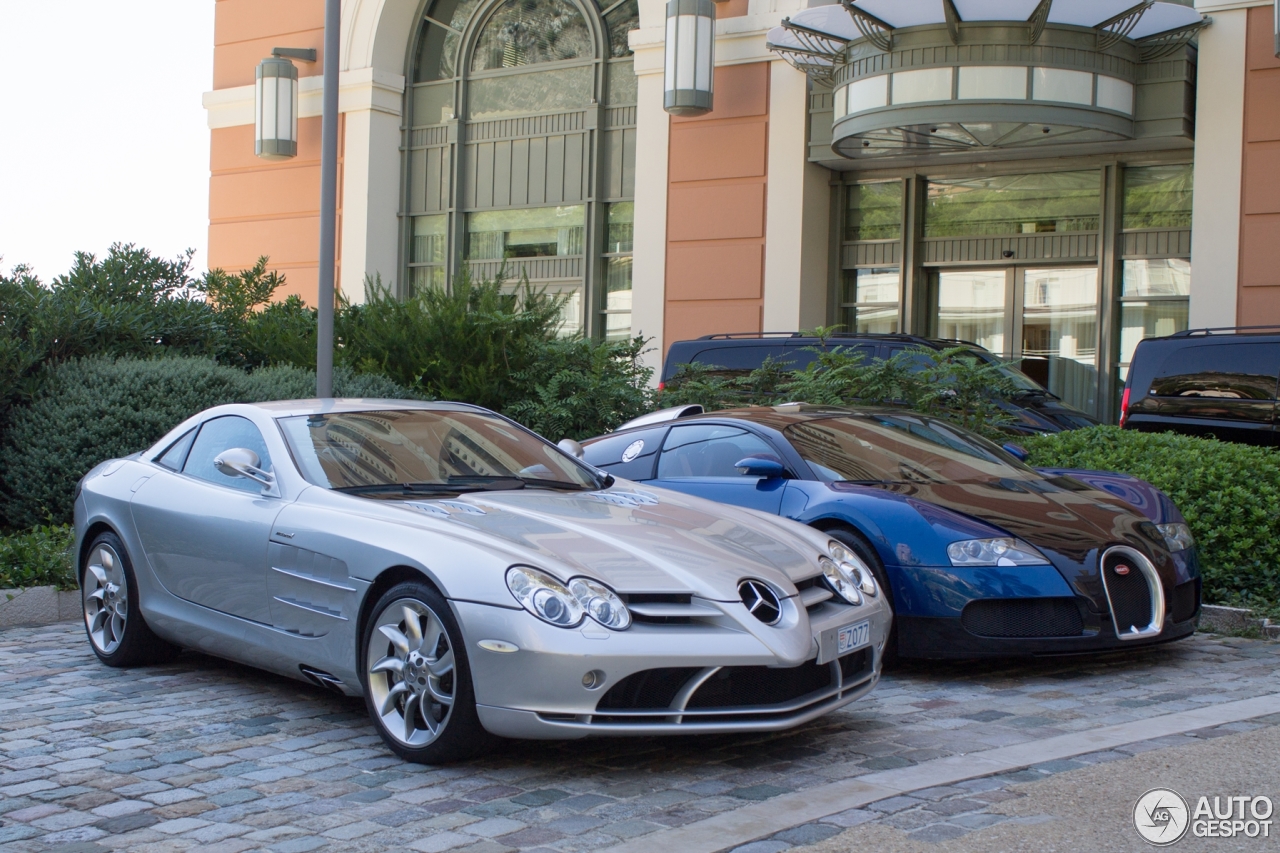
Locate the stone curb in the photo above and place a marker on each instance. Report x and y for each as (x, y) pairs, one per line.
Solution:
(1233, 620)
(37, 605)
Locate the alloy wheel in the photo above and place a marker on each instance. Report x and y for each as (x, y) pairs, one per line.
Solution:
(411, 672)
(106, 598)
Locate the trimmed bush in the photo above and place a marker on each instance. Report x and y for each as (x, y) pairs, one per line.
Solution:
(101, 408)
(1229, 494)
(39, 557)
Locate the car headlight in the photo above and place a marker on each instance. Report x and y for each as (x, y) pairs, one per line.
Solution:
(601, 603)
(544, 597)
(1177, 537)
(841, 580)
(844, 556)
(994, 552)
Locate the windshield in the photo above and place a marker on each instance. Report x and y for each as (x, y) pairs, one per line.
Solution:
(1020, 380)
(892, 448)
(457, 450)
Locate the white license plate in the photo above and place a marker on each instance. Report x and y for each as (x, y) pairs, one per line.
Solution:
(853, 637)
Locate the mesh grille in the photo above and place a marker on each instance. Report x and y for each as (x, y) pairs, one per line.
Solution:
(648, 689)
(735, 686)
(1186, 600)
(1129, 593)
(1023, 617)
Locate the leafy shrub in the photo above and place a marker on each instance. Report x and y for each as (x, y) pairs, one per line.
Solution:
(462, 344)
(579, 388)
(39, 557)
(102, 408)
(949, 384)
(1229, 494)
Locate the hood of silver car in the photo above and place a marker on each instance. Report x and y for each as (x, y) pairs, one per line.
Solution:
(635, 539)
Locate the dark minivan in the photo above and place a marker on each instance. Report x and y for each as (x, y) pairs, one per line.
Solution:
(1206, 382)
(1036, 409)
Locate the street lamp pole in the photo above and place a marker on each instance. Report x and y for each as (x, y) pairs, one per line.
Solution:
(328, 199)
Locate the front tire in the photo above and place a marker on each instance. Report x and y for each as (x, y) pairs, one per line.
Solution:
(418, 688)
(117, 632)
(860, 546)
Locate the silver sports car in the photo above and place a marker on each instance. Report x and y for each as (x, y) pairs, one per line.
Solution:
(467, 578)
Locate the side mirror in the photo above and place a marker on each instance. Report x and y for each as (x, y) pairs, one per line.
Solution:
(761, 466)
(242, 462)
(573, 448)
(1017, 451)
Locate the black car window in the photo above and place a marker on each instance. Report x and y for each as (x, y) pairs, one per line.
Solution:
(1231, 371)
(749, 358)
(222, 434)
(900, 448)
(176, 455)
(708, 450)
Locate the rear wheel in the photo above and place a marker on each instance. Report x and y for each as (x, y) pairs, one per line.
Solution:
(860, 546)
(417, 678)
(109, 595)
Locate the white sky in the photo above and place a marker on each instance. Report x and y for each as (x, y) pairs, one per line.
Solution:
(102, 135)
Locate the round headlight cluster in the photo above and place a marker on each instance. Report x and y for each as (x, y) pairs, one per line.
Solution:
(855, 568)
(840, 579)
(565, 606)
(601, 603)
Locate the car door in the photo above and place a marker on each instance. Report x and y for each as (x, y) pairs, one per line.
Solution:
(204, 533)
(700, 459)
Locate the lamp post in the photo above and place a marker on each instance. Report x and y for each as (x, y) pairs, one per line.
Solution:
(328, 199)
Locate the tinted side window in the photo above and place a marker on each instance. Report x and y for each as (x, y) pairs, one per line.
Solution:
(176, 455)
(1225, 371)
(749, 358)
(222, 434)
(708, 450)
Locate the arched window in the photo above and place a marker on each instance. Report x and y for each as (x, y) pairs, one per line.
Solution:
(520, 151)
(529, 32)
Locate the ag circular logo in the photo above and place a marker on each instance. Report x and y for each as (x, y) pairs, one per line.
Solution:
(1161, 816)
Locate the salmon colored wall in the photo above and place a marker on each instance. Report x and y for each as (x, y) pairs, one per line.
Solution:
(260, 207)
(717, 180)
(1259, 301)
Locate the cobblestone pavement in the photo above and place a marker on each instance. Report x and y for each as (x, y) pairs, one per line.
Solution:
(950, 812)
(203, 753)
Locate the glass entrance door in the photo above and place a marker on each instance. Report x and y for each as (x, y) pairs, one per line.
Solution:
(1059, 340)
(1045, 317)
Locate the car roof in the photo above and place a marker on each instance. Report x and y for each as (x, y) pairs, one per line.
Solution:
(337, 405)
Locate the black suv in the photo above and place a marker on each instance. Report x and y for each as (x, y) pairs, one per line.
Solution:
(1037, 410)
(1206, 382)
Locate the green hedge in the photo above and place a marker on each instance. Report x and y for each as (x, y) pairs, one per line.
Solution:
(39, 557)
(1229, 493)
(93, 409)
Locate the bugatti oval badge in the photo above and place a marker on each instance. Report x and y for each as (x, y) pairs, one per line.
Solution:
(1122, 570)
(633, 450)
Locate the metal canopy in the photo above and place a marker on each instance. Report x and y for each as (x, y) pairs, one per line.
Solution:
(823, 31)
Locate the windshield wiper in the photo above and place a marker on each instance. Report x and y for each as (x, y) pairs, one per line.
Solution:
(509, 482)
(411, 489)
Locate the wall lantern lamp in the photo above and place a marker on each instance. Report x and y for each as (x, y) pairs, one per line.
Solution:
(691, 31)
(275, 108)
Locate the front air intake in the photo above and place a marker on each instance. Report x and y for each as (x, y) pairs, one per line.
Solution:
(1134, 593)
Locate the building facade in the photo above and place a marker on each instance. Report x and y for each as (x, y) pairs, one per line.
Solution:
(1051, 188)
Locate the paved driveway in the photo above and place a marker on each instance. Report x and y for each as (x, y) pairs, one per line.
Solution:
(209, 754)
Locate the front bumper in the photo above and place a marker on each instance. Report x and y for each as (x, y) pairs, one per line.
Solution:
(700, 672)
